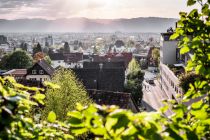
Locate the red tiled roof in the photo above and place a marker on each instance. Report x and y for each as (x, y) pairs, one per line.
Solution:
(16, 72)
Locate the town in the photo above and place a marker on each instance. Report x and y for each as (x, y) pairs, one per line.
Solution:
(104, 70)
(101, 62)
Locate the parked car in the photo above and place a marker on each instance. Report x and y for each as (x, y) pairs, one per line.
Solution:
(151, 82)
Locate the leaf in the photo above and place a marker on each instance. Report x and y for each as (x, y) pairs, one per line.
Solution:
(205, 9)
(79, 131)
(174, 36)
(184, 50)
(191, 2)
(51, 117)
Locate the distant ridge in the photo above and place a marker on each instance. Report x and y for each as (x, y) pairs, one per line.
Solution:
(141, 24)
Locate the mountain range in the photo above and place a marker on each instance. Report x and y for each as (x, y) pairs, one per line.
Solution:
(141, 24)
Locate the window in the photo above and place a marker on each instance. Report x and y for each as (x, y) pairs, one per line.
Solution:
(33, 79)
(33, 71)
(41, 72)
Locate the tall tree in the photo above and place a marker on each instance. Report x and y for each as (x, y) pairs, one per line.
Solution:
(134, 81)
(37, 48)
(18, 60)
(155, 56)
(133, 66)
(65, 98)
(24, 46)
(66, 47)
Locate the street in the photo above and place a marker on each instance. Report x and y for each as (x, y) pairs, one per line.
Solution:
(153, 97)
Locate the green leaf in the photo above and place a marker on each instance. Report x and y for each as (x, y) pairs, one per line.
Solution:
(79, 131)
(51, 117)
(174, 36)
(205, 9)
(191, 2)
(184, 50)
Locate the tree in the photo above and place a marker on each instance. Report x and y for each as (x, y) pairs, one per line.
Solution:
(135, 78)
(37, 49)
(46, 50)
(17, 60)
(156, 56)
(3, 62)
(133, 66)
(48, 60)
(65, 98)
(24, 46)
(119, 43)
(40, 55)
(66, 47)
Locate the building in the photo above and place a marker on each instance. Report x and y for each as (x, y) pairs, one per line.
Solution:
(3, 39)
(58, 60)
(111, 57)
(108, 76)
(49, 41)
(66, 60)
(123, 100)
(18, 74)
(40, 71)
(172, 64)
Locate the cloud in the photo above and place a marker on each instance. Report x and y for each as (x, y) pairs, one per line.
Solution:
(52, 9)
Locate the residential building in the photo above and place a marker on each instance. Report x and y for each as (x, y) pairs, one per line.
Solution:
(40, 71)
(66, 60)
(123, 100)
(108, 76)
(171, 66)
(58, 60)
(18, 74)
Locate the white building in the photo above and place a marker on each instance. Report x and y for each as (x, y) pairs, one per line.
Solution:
(40, 71)
(169, 59)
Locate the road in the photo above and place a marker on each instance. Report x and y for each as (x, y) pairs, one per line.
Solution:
(153, 97)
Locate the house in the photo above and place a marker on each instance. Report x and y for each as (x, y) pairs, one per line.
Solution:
(18, 74)
(66, 60)
(111, 57)
(73, 59)
(123, 100)
(109, 76)
(40, 71)
(58, 60)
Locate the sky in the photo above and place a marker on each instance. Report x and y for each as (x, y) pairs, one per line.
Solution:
(95, 9)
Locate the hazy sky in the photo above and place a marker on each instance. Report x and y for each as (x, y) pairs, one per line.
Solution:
(53, 9)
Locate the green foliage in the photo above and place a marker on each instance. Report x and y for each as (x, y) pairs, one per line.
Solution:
(15, 106)
(186, 80)
(16, 60)
(133, 66)
(24, 46)
(64, 99)
(134, 81)
(66, 47)
(156, 56)
(48, 60)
